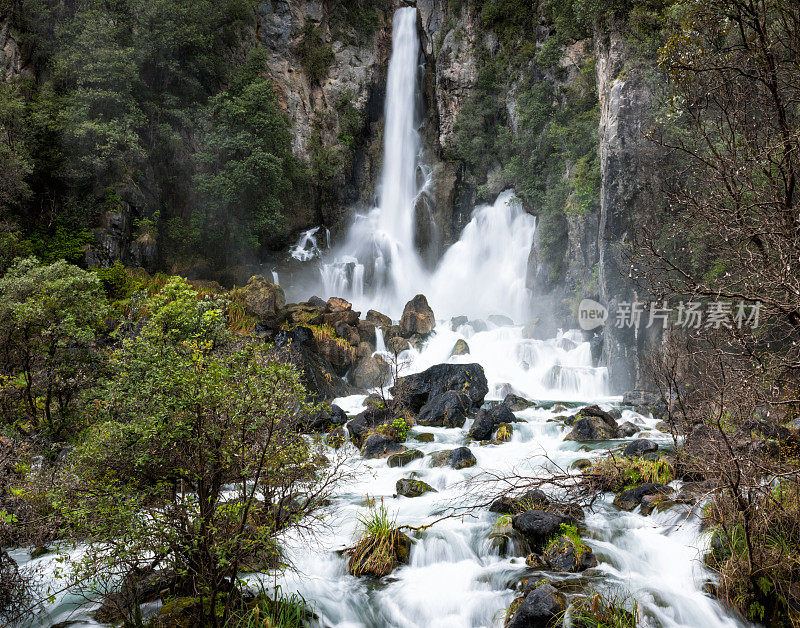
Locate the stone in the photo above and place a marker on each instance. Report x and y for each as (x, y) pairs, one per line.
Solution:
(417, 318)
(459, 458)
(590, 428)
(539, 526)
(423, 437)
(500, 320)
(506, 505)
(488, 419)
(478, 325)
(336, 304)
(262, 298)
(348, 317)
(446, 410)
(348, 333)
(404, 458)
(360, 425)
(597, 411)
(539, 609)
(627, 429)
(413, 488)
(458, 321)
(414, 391)
(378, 319)
(640, 447)
(366, 332)
(324, 418)
(371, 372)
(397, 344)
(515, 403)
(581, 463)
(460, 348)
(380, 446)
(662, 426)
(337, 352)
(632, 497)
(562, 554)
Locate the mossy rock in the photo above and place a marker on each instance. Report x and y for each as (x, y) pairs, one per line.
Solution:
(404, 458)
(413, 488)
(424, 437)
(503, 433)
(580, 464)
(460, 348)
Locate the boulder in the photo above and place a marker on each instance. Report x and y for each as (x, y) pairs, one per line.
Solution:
(315, 301)
(319, 378)
(515, 403)
(324, 418)
(640, 447)
(404, 458)
(645, 402)
(338, 352)
(416, 390)
(262, 298)
(396, 344)
(627, 429)
(366, 332)
(506, 505)
(539, 526)
(360, 425)
(348, 333)
(632, 497)
(541, 608)
(458, 321)
(589, 428)
(301, 313)
(446, 410)
(597, 411)
(378, 319)
(336, 304)
(417, 317)
(423, 437)
(500, 320)
(349, 317)
(562, 554)
(488, 419)
(380, 446)
(371, 372)
(413, 488)
(459, 458)
(460, 348)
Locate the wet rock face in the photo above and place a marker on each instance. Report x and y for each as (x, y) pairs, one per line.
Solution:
(446, 410)
(488, 419)
(539, 526)
(590, 428)
(404, 458)
(417, 317)
(371, 372)
(416, 390)
(629, 499)
(460, 458)
(563, 555)
(640, 447)
(380, 446)
(360, 425)
(539, 608)
(262, 298)
(413, 488)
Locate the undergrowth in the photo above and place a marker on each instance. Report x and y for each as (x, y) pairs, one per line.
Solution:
(616, 474)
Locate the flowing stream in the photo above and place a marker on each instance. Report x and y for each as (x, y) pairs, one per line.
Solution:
(457, 576)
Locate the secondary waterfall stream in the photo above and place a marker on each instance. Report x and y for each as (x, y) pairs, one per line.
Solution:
(456, 576)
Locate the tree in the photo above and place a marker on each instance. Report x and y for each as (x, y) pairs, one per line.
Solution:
(49, 319)
(199, 464)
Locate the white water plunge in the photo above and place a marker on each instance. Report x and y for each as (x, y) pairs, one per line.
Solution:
(456, 578)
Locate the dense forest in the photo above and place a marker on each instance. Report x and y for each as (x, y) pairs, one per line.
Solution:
(294, 299)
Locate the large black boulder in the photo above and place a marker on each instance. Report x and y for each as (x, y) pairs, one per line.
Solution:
(589, 428)
(380, 446)
(539, 526)
(361, 424)
(506, 505)
(459, 458)
(324, 418)
(632, 497)
(316, 373)
(416, 390)
(488, 419)
(640, 447)
(446, 410)
(541, 608)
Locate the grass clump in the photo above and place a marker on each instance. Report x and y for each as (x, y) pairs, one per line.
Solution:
(397, 430)
(571, 533)
(605, 610)
(278, 611)
(380, 548)
(617, 474)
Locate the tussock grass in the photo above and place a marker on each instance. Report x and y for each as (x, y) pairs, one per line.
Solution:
(376, 551)
(615, 474)
(610, 609)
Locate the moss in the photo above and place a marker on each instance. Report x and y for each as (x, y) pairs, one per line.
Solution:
(315, 53)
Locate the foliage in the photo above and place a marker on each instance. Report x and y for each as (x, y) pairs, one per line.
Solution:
(375, 552)
(615, 474)
(49, 319)
(315, 53)
(198, 465)
(246, 167)
(570, 533)
(605, 610)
